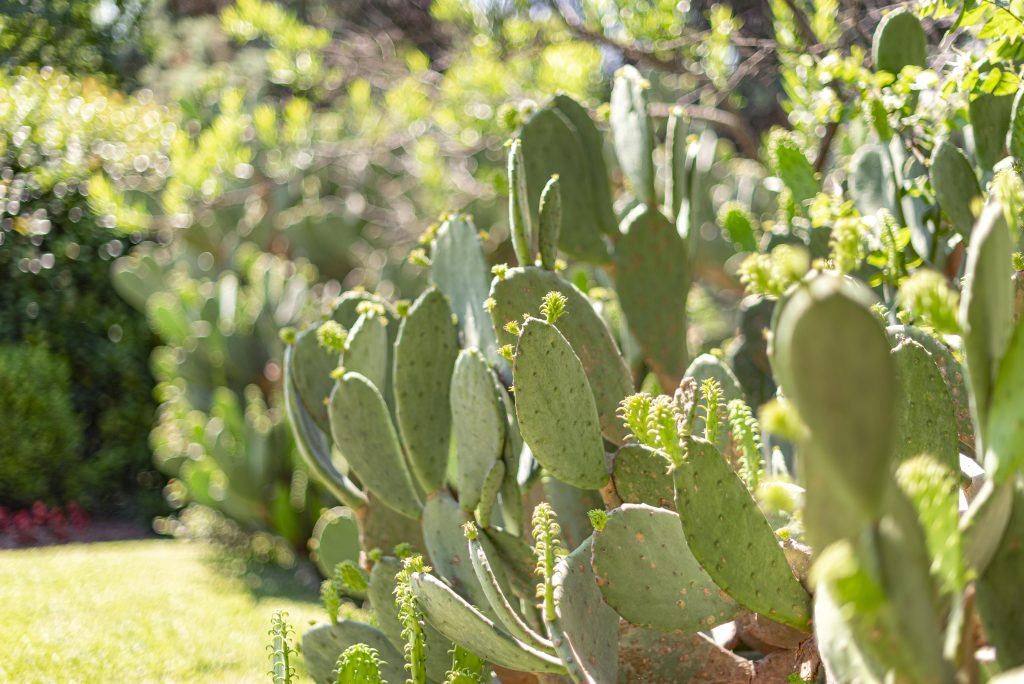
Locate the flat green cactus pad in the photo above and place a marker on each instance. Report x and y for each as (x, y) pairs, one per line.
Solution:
(871, 184)
(986, 306)
(446, 547)
(521, 292)
(899, 41)
(647, 573)
(335, 539)
(381, 593)
(591, 627)
(956, 186)
(983, 526)
(653, 280)
(952, 372)
(632, 132)
(790, 164)
(466, 626)
(366, 352)
(700, 162)
(841, 654)
(425, 354)
(897, 551)
(743, 557)
(832, 359)
(361, 426)
(311, 368)
(322, 645)
(650, 657)
(1005, 433)
(479, 424)
(990, 122)
(314, 445)
(312, 364)
(925, 418)
(460, 271)
(552, 145)
(641, 476)
(677, 181)
(555, 406)
(998, 590)
(489, 491)
(593, 149)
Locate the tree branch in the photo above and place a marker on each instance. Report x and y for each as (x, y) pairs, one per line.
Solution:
(728, 122)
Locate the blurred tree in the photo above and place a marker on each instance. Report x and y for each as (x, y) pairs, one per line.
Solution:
(83, 37)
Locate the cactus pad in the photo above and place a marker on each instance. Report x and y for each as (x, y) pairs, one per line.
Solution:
(335, 539)
(998, 590)
(833, 362)
(956, 186)
(425, 354)
(555, 407)
(520, 292)
(366, 352)
(647, 573)
(552, 145)
(641, 476)
(314, 445)
(952, 372)
(791, 165)
(479, 424)
(743, 556)
(899, 41)
(460, 272)
(361, 426)
(986, 306)
(632, 132)
(593, 148)
(841, 654)
(322, 645)
(590, 626)
(925, 416)
(990, 122)
(871, 184)
(1005, 432)
(311, 367)
(466, 626)
(653, 280)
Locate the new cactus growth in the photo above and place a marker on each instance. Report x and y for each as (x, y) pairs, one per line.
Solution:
(281, 670)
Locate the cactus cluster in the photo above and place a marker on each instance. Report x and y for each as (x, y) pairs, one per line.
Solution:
(837, 497)
(221, 433)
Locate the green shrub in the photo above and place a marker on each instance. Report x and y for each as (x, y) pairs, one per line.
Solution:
(55, 257)
(42, 434)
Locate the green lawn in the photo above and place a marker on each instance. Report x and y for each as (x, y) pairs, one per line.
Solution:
(139, 611)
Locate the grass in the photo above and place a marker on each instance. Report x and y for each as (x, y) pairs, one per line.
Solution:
(139, 611)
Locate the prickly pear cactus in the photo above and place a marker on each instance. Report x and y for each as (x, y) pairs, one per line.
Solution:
(577, 497)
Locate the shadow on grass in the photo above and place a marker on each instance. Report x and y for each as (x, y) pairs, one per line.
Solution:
(299, 581)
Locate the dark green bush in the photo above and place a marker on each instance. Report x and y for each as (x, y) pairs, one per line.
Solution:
(57, 136)
(42, 435)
